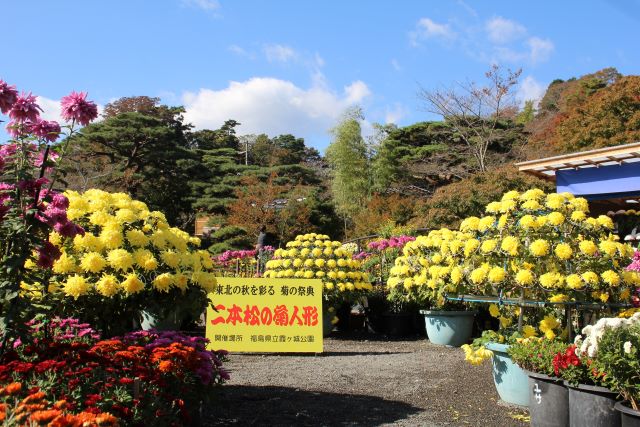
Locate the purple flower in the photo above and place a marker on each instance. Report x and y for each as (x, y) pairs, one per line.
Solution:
(635, 265)
(68, 229)
(8, 96)
(44, 129)
(47, 254)
(25, 109)
(15, 129)
(76, 107)
(60, 201)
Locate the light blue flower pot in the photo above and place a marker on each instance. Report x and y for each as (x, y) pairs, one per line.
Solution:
(452, 328)
(511, 381)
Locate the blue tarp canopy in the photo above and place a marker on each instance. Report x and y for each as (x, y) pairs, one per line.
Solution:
(600, 183)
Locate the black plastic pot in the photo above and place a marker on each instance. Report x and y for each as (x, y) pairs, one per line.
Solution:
(548, 401)
(592, 406)
(629, 417)
(398, 324)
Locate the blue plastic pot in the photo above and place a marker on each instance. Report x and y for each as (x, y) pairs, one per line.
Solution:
(511, 381)
(452, 328)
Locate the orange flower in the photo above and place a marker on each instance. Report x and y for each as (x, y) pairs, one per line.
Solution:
(30, 407)
(61, 404)
(45, 416)
(165, 366)
(34, 397)
(106, 419)
(66, 420)
(11, 389)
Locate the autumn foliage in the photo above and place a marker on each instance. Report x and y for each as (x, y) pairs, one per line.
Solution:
(595, 111)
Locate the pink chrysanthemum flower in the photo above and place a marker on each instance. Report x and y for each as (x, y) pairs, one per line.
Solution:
(75, 106)
(44, 129)
(8, 96)
(25, 109)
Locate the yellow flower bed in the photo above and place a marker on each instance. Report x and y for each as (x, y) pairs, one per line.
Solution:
(543, 243)
(315, 256)
(541, 246)
(126, 249)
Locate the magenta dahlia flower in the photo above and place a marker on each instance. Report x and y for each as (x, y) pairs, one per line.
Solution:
(75, 106)
(25, 109)
(8, 96)
(44, 129)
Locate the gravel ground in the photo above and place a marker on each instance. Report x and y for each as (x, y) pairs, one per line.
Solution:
(359, 380)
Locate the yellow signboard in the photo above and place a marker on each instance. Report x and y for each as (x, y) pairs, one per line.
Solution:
(265, 315)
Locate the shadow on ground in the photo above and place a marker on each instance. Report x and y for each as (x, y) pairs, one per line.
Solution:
(253, 405)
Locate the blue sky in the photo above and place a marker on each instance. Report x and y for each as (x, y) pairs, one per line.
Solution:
(294, 66)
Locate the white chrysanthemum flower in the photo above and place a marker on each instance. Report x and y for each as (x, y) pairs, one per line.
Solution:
(627, 347)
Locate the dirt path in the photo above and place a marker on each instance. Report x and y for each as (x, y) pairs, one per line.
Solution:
(361, 382)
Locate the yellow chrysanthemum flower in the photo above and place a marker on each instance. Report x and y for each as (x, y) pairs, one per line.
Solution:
(563, 251)
(132, 284)
(120, 259)
(529, 331)
(65, 264)
(539, 247)
(137, 238)
(497, 275)
(524, 277)
(587, 247)
(93, 262)
(76, 286)
(574, 281)
(163, 282)
(610, 277)
(494, 311)
(107, 286)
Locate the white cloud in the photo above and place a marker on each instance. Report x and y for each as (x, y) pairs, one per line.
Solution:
(279, 53)
(207, 5)
(530, 90)
(471, 11)
(319, 60)
(240, 51)
(396, 65)
(534, 51)
(502, 31)
(51, 109)
(272, 106)
(395, 114)
(356, 92)
(426, 28)
(540, 49)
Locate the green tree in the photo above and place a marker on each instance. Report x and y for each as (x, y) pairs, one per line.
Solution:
(347, 157)
(143, 155)
(527, 114)
(452, 203)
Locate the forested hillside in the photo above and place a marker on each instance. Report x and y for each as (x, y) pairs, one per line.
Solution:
(425, 175)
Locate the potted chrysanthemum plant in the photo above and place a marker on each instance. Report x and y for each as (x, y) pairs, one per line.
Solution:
(316, 256)
(425, 274)
(534, 249)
